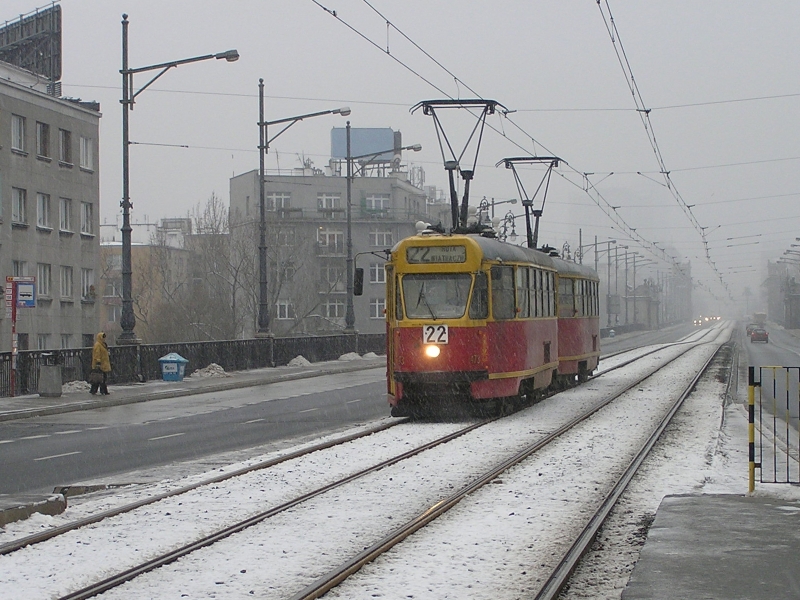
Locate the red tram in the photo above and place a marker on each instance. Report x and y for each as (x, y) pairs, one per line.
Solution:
(471, 318)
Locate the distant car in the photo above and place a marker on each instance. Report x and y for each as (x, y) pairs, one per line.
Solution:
(698, 322)
(759, 335)
(751, 327)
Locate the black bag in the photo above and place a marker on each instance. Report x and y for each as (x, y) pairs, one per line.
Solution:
(95, 376)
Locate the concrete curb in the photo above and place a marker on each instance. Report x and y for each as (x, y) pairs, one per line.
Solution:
(24, 506)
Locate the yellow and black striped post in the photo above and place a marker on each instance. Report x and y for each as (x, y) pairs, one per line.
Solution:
(751, 427)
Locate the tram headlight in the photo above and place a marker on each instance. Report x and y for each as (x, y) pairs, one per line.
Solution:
(432, 350)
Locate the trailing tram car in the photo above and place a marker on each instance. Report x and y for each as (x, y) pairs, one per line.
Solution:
(473, 319)
(578, 322)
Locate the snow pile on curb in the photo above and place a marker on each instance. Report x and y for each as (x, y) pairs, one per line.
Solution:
(75, 386)
(299, 361)
(370, 355)
(350, 356)
(212, 370)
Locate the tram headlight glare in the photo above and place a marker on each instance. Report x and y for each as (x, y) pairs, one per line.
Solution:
(432, 351)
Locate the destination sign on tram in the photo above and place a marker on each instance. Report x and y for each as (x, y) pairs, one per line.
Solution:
(436, 254)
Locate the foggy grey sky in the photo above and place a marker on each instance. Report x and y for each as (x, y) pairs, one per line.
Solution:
(720, 78)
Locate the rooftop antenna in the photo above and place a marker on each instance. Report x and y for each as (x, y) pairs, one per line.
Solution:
(527, 202)
(451, 160)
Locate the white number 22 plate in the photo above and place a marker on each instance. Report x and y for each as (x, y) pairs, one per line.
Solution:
(434, 334)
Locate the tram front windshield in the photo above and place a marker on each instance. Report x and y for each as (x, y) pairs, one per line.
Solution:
(436, 295)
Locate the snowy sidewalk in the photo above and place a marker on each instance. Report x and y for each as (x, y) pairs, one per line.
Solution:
(75, 395)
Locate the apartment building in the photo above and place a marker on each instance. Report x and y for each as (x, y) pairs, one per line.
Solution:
(49, 210)
(306, 216)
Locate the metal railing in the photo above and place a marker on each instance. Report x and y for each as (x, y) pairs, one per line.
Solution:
(140, 363)
(774, 411)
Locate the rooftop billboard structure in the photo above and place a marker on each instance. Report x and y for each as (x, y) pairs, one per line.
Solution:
(33, 42)
(365, 141)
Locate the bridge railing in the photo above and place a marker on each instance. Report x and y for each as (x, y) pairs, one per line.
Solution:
(140, 363)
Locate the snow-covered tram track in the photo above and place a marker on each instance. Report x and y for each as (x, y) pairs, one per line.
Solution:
(96, 517)
(375, 564)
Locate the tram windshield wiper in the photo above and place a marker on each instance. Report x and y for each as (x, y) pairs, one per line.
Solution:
(422, 298)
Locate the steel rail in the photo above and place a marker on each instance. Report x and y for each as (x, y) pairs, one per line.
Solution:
(561, 574)
(169, 557)
(334, 577)
(36, 538)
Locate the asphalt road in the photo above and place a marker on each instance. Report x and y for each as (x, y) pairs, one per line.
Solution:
(41, 453)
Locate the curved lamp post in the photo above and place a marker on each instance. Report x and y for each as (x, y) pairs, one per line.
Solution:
(128, 319)
(350, 315)
(263, 147)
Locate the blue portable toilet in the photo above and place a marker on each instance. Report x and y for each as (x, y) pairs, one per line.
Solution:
(173, 366)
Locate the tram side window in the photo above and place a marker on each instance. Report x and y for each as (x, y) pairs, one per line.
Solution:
(398, 302)
(503, 292)
(551, 294)
(523, 307)
(596, 287)
(479, 304)
(565, 298)
(390, 309)
(580, 298)
(540, 279)
(534, 305)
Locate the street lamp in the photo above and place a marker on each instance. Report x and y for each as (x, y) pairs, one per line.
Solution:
(484, 205)
(128, 319)
(263, 147)
(350, 315)
(508, 221)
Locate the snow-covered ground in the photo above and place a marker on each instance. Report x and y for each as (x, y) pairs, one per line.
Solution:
(490, 546)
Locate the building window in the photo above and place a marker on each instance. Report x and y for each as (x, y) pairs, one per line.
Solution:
(113, 288)
(87, 154)
(333, 309)
(87, 284)
(328, 201)
(43, 341)
(87, 218)
(66, 282)
(277, 200)
(65, 146)
(43, 211)
(43, 279)
(377, 274)
(113, 262)
(18, 201)
(19, 268)
(114, 313)
(380, 237)
(66, 341)
(377, 202)
(330, 240)
(286, 237)
(43, 139)
(65, 214)
(18, 133)
(284, 310)
(377, 308)
(332, 279)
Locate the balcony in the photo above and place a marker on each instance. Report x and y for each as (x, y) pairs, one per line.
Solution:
(334, 249)
(332, 213)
